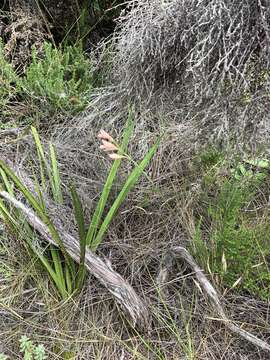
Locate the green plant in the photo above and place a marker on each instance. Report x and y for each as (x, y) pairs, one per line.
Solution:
(66, 276)
(237, 247)
(62, 272)
(253, 169)
(62, 80)
(29, 350)
(3, 357)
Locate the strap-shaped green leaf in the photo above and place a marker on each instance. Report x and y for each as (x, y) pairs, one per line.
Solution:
(96, 218)
(131, 181)
(40, 211)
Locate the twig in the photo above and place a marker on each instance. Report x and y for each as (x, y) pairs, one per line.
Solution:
(213, 295)
(163, 275)
(10, 132)
(117, 286)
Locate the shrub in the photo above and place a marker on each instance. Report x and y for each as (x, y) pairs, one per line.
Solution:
(62, 80)
(237, 246)
(29, 350)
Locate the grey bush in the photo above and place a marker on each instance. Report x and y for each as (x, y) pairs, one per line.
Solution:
(203, 60)
(197, 70)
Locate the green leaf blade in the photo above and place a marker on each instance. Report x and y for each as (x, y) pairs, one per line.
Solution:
(96, 218)
(129, 184)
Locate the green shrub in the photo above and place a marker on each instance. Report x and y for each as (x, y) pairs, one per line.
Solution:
(62, 80)
(29, 350)
(237, 246)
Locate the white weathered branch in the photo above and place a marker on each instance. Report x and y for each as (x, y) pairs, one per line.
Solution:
(117, 286)
(179, 251)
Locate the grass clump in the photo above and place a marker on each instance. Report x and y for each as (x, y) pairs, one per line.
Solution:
(61, 80)
(67, 276)
(232, 237)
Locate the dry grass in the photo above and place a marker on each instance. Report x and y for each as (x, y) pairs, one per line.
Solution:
(156, 217)
(188, 68)
(90, 327)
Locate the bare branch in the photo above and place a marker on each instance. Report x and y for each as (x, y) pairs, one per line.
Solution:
(179, 251)
(117, 286)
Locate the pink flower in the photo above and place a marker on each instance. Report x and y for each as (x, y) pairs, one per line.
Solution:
(105, 136)
(107, 146)
(116, 156)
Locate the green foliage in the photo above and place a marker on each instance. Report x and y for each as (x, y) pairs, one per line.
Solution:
(67, 276)
(62, 80)
(62, 272)
(252, 169)
(8, 79)
(29, 350)
(238, 244)
(98, 228)
(97, 216)
(210, 157)
(130, 182)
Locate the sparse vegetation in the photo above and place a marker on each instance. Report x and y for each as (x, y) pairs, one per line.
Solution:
(29, 350)
(86, 227)
(237, 247)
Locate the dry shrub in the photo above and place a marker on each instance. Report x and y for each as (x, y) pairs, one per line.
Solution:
(197, 70)
(197, 67)
(202, 62)
(23, 30)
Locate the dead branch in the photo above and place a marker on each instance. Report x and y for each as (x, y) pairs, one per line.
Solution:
(117, 286)
(179, 251)
(10, 132)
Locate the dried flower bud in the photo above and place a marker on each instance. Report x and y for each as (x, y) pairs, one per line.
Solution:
(116, 156)
(107, 146)
(104, 135)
